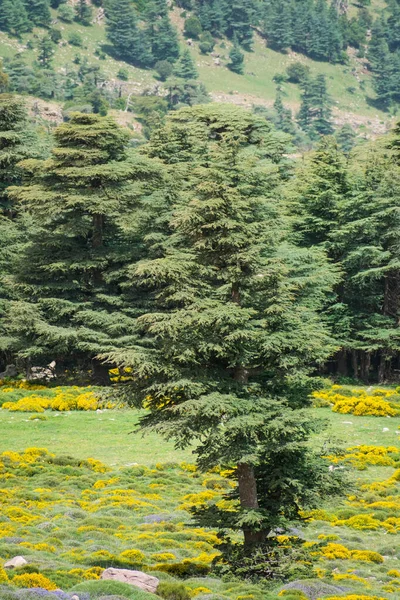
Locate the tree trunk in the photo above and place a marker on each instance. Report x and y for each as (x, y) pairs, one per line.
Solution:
(98, 224)
(365, 366)
(100, 373)
(248, 500)
(382, 368)
(342, 363)
(354, 362)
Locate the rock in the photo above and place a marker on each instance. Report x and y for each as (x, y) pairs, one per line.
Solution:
(17, 561)
(385, 429)
(136, 578)
(11, 371)
(74, 597)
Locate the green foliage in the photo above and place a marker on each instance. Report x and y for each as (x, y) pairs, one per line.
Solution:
(185, 67)
(75, 39)
(193, 28)
(173, 591)
(315, 114)
(164, 69)
(83, 12)
(215, 327)
(236, 57)
(102, 588)
(71, 291)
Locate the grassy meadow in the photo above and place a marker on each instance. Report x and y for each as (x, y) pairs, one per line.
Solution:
(80, 492)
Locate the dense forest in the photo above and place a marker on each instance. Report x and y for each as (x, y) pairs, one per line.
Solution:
(97, 234)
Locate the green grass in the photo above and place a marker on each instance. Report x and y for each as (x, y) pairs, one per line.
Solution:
(87, 515)
(106, 436)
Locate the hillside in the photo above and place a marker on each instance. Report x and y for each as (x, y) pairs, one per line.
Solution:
(350, 85)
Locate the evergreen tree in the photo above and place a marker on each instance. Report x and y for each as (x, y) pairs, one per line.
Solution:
(367, 242)
(77, 250)
(13, 17)
(239, 19)
(83, 12)
(13, 146)
(185, 67)
(283, 119)
(315, 115)
(129, 41)
(193, 28)
(226, 310)
(345, 137)
(279, 31)
(163, 38)
(236, 57)
(46, 52)
(38, 12)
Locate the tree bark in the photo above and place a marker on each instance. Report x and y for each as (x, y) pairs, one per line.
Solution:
(354, 361)
(249, 500)
(100, 373)
(342, 363)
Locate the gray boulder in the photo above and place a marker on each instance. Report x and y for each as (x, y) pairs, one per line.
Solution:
(13, 563)
(315, 589)
(137, 578)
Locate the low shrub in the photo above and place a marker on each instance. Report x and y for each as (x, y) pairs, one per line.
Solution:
(97, 589)
(173, 591)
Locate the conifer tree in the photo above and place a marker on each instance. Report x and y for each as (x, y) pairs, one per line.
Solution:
(74, 258)
(236, 57)
(163, 38)
(227, 309)
(83, 12)
(315, 115)
(280, 27)
(185, 67)
(46, 52)
(13, 146)
(38, 12)
(283, 120)
(13, 17)
(129, 41)
(346, 138)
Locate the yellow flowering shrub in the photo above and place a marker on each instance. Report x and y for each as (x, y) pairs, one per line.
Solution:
(360, 403)
(334, 551)
(133, 556)
(87, 401)
(33, 580)
(43, 547)
(394, 573)
(361, 522)
(203, 590)
(350, 577)
(163, 556)
(199, 499)
(3, 576)
(36, 404)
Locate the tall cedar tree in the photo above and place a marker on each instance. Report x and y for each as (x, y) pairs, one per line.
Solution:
(81, 202)
(367, 240)
(38, 12)
(14, 17)
(129, 41)
(160, 33)
(315, 115)
(13, 148)
(185, 68)
(233, 326)
(83, 12)
(236, 58)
